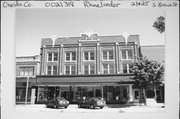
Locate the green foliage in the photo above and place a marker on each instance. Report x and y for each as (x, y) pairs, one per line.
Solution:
(159, 24)
(147, 73)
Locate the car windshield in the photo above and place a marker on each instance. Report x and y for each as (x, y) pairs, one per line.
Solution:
(88, 98)
(96, 99)
(60, 98)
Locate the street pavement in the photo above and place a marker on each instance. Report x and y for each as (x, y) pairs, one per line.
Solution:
(109, 108)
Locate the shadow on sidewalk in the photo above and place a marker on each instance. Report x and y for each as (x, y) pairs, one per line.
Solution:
(132, 105)
(119, 105)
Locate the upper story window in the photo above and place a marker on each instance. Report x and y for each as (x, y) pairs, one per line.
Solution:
(89, 56)
(127, 53)
(108, 68)
(26, 71)
(70, 56)
(89, 69)
(51, 70)
(127, 68)
(70, 69)
(108, 55)
(55, 57)
(52, 56)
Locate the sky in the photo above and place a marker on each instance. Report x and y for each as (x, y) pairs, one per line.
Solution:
(32, 25)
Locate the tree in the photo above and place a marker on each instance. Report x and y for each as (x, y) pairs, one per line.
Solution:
(159, 24)
(147, 74)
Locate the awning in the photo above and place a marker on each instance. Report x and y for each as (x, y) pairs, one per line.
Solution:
(22, 82)
(84, 80)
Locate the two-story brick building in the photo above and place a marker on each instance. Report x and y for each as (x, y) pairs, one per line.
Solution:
(88, 66)
(27, 67)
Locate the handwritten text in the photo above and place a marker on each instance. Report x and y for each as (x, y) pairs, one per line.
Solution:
(100, 4)
(60, 4)
(16, 4)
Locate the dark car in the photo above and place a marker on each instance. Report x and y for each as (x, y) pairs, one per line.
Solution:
(57, 102)
(92, 103)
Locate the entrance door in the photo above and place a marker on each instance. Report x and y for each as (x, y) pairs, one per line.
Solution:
(136, 95)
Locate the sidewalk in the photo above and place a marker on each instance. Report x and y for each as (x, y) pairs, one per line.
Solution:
(109, 108)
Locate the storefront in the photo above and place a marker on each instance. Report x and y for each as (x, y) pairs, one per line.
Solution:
(114, 89)
(21, 90)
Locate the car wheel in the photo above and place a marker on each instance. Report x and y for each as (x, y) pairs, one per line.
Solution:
(66, 107)
(79, 105)
(55, 106)
(92, 106)
(101, 107)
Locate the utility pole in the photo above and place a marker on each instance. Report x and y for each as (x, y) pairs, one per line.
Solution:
(27, 85)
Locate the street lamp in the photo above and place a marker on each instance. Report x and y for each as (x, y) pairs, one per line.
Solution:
(27, 85)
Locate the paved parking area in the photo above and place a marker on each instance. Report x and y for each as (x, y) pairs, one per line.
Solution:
(74, 108)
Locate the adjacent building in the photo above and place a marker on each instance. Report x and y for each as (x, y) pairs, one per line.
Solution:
(88, 66)
(155, 53)
(27, 67)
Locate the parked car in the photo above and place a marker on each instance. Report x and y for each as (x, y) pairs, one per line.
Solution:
(92, 103)
(76, 100)
(57, 102)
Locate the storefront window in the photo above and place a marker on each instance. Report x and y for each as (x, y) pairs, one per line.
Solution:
(88, 91)
(112, 94)
(116, 93)
(42, 94)
(21, 95)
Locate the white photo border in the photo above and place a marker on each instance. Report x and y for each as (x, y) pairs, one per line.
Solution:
(8, 110)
